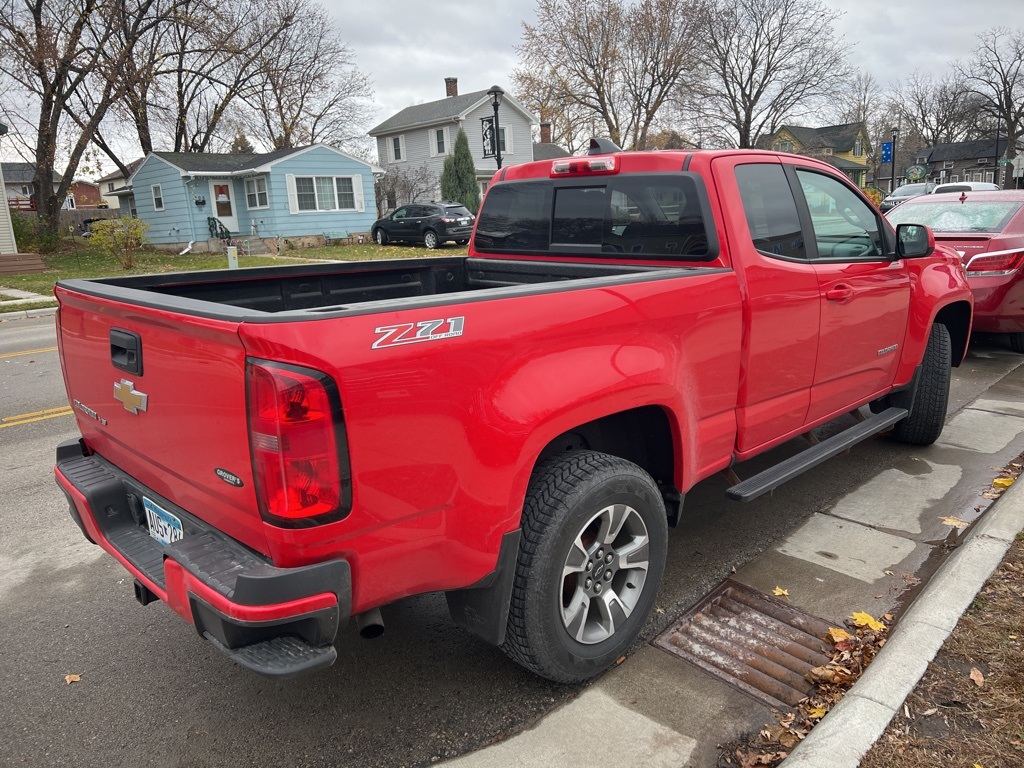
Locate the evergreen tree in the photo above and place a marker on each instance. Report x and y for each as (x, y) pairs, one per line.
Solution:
(458, 178)
(241, 145)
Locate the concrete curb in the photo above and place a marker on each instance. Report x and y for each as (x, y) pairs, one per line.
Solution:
(843, 737)
(21, 314)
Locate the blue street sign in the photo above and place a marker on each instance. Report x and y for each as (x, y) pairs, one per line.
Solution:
(887, 152)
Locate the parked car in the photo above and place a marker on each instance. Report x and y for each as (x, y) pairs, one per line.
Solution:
(430, 223)
(987, 230)
(904, 193)
(965, 186)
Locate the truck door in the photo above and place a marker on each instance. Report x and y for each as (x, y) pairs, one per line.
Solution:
(864, 294)
(780, 289)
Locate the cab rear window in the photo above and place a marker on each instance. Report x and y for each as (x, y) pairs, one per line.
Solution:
(649, 216)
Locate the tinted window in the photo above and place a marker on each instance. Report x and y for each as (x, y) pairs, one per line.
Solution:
(771, 211)
(910, 190)
(649, 215)
(845, 226)
(456, 210)
(954, 216)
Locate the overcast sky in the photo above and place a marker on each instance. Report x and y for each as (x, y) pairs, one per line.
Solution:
(408, 47)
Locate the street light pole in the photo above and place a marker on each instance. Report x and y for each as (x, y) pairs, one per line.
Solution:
(995, 172)
(496, 94)
(892, 183)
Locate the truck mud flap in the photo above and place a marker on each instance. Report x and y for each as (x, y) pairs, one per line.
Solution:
(773, 477)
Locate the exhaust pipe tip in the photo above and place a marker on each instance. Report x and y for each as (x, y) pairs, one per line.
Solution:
(370, 624)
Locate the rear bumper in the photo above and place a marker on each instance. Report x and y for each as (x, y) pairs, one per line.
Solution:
(275, 621)
(998, 302)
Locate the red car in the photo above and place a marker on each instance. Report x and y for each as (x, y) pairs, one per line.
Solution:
(987, 230)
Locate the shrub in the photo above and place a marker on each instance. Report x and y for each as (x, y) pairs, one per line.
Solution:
(122, 238)
(458, 177)
(24, 230)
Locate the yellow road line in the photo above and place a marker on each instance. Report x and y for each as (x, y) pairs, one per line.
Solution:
(30, 352)
(28, 418)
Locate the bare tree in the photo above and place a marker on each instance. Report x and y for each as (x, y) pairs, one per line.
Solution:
(64, 55)
(308, 89)
(608, 61)
(942, 109)
(766, 62)
(995, 75)
(403, 185)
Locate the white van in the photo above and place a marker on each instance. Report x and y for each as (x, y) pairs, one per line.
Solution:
(965, 186)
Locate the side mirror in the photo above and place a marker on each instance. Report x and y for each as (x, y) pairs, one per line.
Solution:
(914, 241)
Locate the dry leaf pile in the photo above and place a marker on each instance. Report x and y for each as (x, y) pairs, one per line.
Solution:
(853, 650)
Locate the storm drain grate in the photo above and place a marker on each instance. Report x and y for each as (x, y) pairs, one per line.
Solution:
(751, 641)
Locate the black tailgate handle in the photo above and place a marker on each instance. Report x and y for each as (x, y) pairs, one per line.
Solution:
(126, 351)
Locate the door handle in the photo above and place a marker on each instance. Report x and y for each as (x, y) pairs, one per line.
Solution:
(840, 293)
(126, 350)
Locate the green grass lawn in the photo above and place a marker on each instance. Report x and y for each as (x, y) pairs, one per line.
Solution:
(89, 261)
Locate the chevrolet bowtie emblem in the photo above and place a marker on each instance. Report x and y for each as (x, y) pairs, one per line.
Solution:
(131, 398)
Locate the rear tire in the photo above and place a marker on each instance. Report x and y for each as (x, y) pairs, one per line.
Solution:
(1017, 342)
(928, 416)
(591, 558)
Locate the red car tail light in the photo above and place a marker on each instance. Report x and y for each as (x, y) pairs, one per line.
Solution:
(296, 434)
(583, 166)
(1000, 261)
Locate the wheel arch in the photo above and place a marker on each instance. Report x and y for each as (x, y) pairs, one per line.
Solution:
(957, 319)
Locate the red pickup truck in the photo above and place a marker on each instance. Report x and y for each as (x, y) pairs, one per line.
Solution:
(273, 451)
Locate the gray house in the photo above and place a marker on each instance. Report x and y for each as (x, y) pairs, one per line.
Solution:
(420, 137)
(302, 195)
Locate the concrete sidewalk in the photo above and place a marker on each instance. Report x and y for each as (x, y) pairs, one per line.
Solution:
(657, 710)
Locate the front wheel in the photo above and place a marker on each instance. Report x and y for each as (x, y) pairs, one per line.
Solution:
(590, 560)
(380, 236)
(1017, 342)
(430, 239)
(928, 415)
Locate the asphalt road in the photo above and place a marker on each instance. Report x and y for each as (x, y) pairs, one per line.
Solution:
(153, 693)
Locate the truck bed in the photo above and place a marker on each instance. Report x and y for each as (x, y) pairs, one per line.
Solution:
(315, 290)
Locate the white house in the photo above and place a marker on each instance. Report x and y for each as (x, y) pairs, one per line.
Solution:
(7, 243)
(423, 135)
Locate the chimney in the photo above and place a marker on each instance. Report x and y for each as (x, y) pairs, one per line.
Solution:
(545, 132)
(451, 86)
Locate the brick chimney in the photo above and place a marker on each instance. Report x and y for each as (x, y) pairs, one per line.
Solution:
(545, 132)
(451, 86)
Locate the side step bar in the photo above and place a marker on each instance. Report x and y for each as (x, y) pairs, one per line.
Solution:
(773, 477)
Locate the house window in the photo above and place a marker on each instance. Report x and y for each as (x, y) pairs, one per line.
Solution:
(954, 177)
(158, 198)
(110, 187)
(947, 164)
(785, 146)
(328, 193)
(505, 140)
(921, 160)
(439, 141)
(346, 194)
(858, 147)
(305, 192)
(256, 193)
(989, 176)
(396, 149)
(826, 151)
(26, 189)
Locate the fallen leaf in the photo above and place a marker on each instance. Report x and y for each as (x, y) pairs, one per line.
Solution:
(888, 573)
(837, 635)
(862, 619)
(780, 592)
(977, 677)
(929, 712)
(69, 679)
(817, 712)
(954, 522)
(1003, 482)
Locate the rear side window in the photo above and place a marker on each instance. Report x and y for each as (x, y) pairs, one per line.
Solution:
(649, 216)
(771, 211)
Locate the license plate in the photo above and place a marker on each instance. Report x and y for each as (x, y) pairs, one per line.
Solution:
(463, 222)
(163, 526)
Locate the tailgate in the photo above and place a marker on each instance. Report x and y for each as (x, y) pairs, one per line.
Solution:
(172, 417)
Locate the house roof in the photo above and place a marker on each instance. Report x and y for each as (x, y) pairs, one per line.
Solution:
(116, 173)
(443, 110)
(22, 173)
(840, 137)
(843, 164)
(962, 150)
(548, 151)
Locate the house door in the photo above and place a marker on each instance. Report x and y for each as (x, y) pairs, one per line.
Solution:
(222, 193)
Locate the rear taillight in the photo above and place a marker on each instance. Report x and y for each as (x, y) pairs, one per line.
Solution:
(296, 433)
(583, 166)
(1000, 261)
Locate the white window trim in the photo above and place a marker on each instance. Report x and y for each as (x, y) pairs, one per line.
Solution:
(158, 194)
(357, 194)
(947, 164)
(954, 178)
(858, 147)
(390, 142)
(432, 142)
(266, 191)
(509, 148)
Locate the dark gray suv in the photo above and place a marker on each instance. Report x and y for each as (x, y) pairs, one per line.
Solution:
(430, 223)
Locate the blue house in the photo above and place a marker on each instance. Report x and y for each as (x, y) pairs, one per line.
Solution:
(303, 194)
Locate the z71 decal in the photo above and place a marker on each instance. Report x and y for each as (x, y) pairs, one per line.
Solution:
(414, 333)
